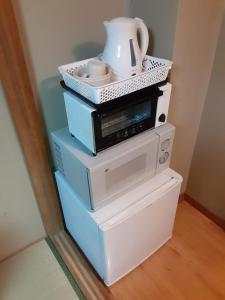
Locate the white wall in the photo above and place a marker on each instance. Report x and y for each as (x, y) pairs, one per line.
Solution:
(185, 31)
(206, 182)
(57, 33)
(20, 221)
(160, 16)
(198, 25)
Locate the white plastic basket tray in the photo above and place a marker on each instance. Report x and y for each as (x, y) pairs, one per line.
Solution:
(154, 70)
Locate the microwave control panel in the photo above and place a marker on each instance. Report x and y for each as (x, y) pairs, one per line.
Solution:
(164, 151)
(165, 147)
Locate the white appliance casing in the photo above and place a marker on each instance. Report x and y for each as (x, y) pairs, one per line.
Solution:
(101, 179)
(80, 116)
(122, 234)
(163, 104)
(122, 51)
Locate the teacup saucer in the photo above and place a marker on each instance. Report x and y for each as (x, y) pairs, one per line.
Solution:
(95, 81)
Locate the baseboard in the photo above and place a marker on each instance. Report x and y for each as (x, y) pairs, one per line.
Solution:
(181, 197)
(217, 220)
(87, 279)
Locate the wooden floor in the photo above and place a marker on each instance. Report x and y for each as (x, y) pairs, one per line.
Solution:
(190, 266)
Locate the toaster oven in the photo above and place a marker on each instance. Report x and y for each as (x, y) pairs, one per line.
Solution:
(101, 126)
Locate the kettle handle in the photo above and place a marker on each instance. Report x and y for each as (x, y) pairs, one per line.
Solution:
(144, 37)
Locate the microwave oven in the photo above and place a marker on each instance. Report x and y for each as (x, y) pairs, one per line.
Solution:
(99, 126)
(101, 179)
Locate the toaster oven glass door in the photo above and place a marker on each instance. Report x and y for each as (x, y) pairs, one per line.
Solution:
(124, 119)
(121, 123)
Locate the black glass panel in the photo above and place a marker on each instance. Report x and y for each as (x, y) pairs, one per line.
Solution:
(122, 119)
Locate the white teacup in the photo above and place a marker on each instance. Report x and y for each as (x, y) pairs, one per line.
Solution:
(94, 69)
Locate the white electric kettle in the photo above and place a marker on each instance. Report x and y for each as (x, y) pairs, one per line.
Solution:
(122, 52)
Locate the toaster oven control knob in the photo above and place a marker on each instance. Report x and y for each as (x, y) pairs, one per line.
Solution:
(162, 118)
(133, 130)
(163, 158)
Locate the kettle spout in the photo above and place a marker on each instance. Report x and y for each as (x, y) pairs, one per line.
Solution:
(108, 27)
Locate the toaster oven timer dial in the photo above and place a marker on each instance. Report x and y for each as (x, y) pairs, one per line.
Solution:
(162, 118)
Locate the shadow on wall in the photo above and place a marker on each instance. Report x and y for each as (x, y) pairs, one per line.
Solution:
(51, 93)
(52, 104)
(160, 16)
(151, 42)
(87, 50)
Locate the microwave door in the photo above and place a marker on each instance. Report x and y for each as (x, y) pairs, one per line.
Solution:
(132, 165)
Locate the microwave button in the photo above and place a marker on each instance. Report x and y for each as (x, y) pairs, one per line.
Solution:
(165, 144)
(163, 158)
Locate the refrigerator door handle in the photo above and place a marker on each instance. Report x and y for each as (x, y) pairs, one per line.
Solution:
(135, 209)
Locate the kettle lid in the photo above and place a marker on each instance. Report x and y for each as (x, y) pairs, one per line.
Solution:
(122, 20)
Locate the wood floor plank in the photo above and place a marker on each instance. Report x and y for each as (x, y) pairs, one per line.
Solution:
(191, 266)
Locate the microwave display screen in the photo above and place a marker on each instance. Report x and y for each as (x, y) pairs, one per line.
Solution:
(123, 119)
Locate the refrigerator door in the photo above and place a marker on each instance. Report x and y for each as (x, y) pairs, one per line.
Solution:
(135, 234)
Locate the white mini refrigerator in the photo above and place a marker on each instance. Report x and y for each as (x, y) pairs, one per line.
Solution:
(122, 234)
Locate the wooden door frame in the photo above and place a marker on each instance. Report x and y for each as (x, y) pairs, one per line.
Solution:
(22, 103)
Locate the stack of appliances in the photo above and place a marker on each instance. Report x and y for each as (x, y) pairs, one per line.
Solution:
(117, 192)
